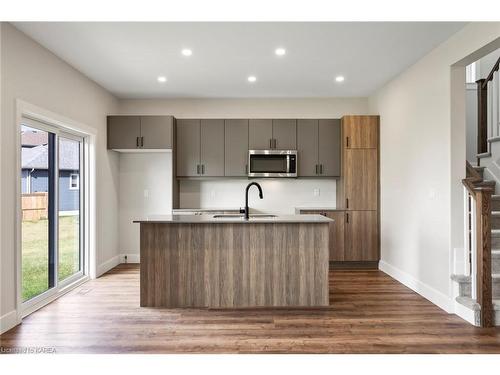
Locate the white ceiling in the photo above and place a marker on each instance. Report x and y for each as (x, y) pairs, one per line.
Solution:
(126, 58)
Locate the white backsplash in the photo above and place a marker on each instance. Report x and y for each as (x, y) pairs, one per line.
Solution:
(281, 195)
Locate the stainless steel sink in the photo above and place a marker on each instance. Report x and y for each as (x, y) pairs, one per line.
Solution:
(235, 216)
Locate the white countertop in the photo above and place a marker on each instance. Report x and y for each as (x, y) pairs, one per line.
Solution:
(255, 219)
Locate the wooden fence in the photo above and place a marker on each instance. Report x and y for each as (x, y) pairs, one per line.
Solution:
(35, 206)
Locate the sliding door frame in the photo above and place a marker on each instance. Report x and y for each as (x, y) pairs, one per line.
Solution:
(61, 126)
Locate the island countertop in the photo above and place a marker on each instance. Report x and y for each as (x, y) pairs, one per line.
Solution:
(213, 219)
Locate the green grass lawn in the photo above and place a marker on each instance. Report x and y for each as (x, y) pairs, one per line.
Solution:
(35, 254)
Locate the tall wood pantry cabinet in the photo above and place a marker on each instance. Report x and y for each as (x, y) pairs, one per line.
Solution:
(358, 188)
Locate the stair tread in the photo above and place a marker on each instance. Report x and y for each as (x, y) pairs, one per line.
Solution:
(495, 197)
(466, 279)
(472, 304)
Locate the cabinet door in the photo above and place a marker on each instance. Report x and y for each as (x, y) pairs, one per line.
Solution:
(336, 238)
(329, 147)
(307, 147)
(336, 235)
(360, 175)
(212, 148)
(285, 134)
(260, 134)
(188, 148)
(123, 132)
(360, 131)
(156, 132)
(361, 236)
(235, 148)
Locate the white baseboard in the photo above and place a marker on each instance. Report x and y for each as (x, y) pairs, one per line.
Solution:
(116, 260)
(131, 258)
(107, 265)
(436, 297)
(8, 321)
(465, 313)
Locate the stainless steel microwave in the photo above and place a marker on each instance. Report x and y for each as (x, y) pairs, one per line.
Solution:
(272, 163)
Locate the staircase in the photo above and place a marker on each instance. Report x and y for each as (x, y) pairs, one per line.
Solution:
(469, 306)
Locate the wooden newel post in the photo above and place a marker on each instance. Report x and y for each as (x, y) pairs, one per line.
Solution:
(483, 274)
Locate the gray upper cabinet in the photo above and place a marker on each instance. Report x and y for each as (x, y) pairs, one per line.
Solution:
(236, 148)
(212, 148)
(140, 132)
(260, 134)
(156, 132)
(284, 134)
(318, 145)
(329, 147)
(124, 132)
(307, 148)
(188, 148)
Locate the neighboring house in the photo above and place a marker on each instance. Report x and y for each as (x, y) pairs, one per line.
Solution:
(35, 172)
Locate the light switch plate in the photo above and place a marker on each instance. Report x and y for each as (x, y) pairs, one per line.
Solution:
(317, 192)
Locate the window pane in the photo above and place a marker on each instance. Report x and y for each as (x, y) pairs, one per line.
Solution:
(69, 208)
(34, 206)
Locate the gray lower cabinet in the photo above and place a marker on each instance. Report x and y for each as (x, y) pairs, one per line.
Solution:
(212, 148)
(188, 148)
(284, 134)
(307, 148)
(140, 132)
(235, 148)
(318, 145)
(329, 147)
(156, 132)
(260, 134)
(124, 132)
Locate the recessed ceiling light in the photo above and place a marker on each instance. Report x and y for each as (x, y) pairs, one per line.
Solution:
(187, 52)
(252, 79)
(280, 51)
(339, 78)
(162, 79)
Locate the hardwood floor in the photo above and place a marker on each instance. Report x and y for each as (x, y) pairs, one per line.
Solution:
(370, 313)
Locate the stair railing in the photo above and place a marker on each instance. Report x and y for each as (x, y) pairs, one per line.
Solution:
(488, 117)
(478, 242)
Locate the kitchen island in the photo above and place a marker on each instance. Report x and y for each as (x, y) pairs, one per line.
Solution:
(225, 261)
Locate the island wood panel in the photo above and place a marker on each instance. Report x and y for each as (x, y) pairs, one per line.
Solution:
(336, 238)
(234, 265)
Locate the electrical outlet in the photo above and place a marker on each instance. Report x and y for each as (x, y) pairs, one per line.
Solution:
(146, 193)
(317, 192)
(212, 194)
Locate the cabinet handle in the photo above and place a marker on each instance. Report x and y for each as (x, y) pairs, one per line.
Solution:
(347, 203)
(347, 217)
(270, 143)
(246, 168)
(347, 142)
(136, 141)
(142, 141)
(274, 143)
(321, 169)
(203, 169)
(316, 168)
(197, 169)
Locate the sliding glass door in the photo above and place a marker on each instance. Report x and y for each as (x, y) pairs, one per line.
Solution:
(51, 208)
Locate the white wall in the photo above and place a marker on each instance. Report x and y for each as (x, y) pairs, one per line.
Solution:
(422, 162)
(281, 196)
(145, 189)
(247, 108)
(33, 74)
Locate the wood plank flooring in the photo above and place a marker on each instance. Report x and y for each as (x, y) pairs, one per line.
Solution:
(369, 313)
